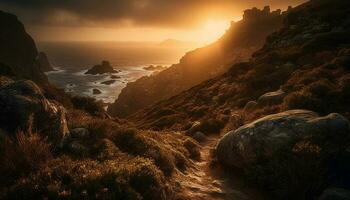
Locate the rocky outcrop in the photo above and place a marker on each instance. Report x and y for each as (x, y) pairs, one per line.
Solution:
(269, 135)
(24, 107)
(18, 50)
(103, 68)
(44, 62)
(238, 43)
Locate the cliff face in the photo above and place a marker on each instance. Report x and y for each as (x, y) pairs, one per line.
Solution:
(304, 65)
(240, 40)
(18, 51)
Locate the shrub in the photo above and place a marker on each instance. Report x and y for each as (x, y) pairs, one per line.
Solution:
(211, 125)
(298, 175)
(122, 179)
(303, 100)
(139, 145)
(193, 148)
(26, 153)
(88, 104)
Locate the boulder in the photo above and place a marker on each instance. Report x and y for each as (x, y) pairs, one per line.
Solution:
(269, 135)
(23, 107)
(271, 98)
(335, 194)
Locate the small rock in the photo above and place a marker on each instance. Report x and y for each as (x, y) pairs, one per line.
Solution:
(115, 77)
(110, 82)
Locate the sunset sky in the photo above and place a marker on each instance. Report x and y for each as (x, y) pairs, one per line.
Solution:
(132, 20)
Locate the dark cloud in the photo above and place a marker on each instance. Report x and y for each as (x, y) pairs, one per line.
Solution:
(173, 13)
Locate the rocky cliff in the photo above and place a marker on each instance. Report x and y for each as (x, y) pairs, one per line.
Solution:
(18, 51)
(240, 40)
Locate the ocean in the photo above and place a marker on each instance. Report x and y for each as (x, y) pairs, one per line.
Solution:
(72, 59)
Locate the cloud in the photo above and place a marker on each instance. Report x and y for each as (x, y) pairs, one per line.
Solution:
(155, 13)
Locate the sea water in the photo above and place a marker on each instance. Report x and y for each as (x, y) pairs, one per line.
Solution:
(72, 59)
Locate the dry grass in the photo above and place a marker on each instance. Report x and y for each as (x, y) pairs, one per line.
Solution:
(26, 153)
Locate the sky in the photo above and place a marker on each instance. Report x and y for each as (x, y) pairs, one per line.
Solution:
(132, 20)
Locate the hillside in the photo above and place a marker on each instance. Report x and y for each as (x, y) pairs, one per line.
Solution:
(275, 126)
(240, 40)
(308, 54)
(53, 146)
(282, 118)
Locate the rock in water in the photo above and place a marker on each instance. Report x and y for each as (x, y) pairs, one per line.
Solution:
(103, 68)
(265, 137)
(96, 91)
(110, 82)
(23, 106)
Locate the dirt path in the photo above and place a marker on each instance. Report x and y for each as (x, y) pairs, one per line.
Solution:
(206, 182)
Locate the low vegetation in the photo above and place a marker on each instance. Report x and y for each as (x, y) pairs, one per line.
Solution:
(112, 162)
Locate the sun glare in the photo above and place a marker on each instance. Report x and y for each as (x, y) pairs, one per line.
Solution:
(212, 30)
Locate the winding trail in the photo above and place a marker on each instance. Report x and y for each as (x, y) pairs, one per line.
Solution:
(205, 181)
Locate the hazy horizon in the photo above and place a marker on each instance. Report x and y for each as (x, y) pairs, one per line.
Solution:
(201, 21)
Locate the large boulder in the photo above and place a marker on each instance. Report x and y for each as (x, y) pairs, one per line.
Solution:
(267, 136)
(23, 107)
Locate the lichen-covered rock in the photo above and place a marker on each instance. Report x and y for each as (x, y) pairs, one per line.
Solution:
(268, 135)
(23, 107)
